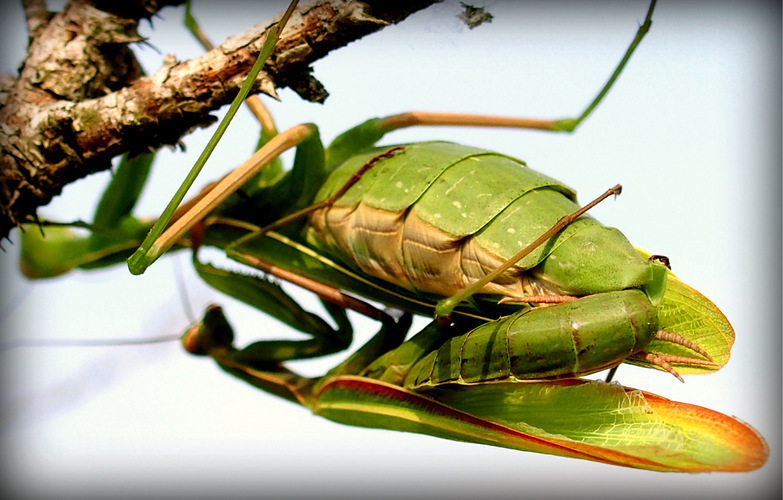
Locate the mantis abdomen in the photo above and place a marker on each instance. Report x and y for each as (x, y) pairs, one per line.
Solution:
(438, 216)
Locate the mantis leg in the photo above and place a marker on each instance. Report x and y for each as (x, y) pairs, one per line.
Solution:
(220, 191)
(369, 132)
(269, 297)
(260, 363)
(213, 337)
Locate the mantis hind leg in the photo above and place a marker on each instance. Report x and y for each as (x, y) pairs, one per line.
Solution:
(371, 131)
(261, 363)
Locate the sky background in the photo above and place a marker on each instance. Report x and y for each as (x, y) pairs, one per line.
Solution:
(691, 131)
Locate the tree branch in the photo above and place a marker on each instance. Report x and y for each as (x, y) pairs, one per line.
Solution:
(80, 98)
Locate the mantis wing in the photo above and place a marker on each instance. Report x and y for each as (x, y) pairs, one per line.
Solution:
(583, 419)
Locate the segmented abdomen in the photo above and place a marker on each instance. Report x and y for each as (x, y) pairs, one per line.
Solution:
(439, 216)
(565, 340)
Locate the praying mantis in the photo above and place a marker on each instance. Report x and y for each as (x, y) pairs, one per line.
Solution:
(521, 155)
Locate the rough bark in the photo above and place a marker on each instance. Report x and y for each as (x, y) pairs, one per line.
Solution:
(80, 97)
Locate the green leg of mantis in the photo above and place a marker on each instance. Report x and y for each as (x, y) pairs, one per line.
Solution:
(260, 363)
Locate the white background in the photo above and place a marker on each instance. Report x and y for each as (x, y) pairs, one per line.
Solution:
(691, 130)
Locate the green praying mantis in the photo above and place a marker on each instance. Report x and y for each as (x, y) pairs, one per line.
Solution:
(502, 410)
